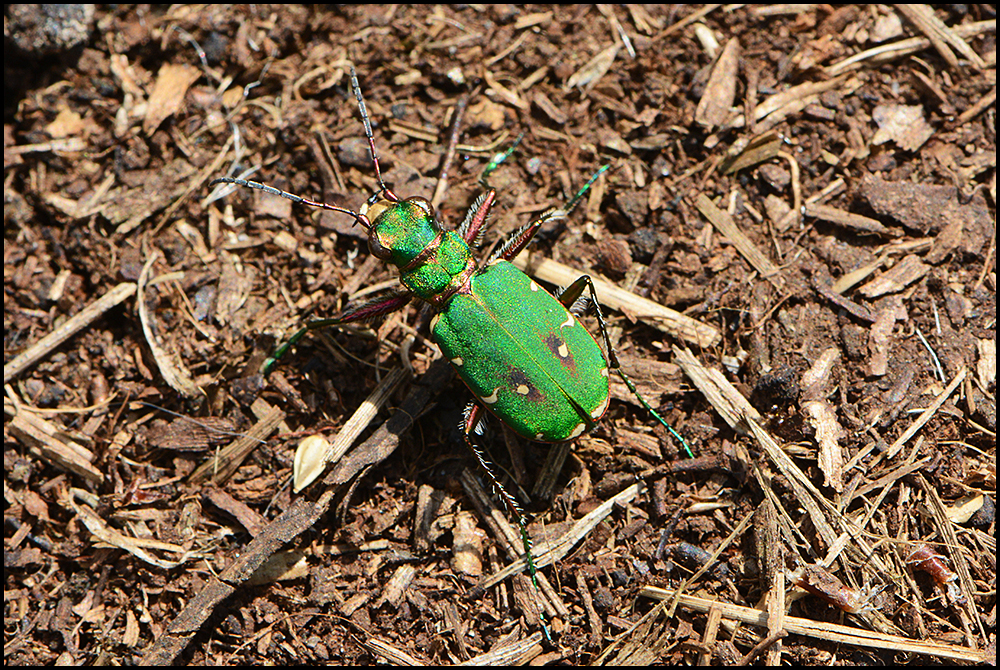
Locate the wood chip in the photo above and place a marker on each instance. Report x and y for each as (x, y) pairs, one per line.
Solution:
(591, 73)
(726, 225)
(986, 367)
(901, 275)
(819, 412)
(53, 444)
(716, 103)
(890, 311)
(903, 124)
(846, 219)
(172, 83)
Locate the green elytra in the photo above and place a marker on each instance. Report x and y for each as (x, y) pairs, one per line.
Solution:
(520, 350)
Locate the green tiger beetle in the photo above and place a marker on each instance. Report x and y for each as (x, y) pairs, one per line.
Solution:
(521, 351)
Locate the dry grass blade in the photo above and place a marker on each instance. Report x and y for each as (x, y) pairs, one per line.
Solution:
(947, 530)
(924, 417)
(731, 405)
(550, 552)
(170, 365)
(643, 644)
(100, 529)
(354, 426)
(222, 465)
(823, 630)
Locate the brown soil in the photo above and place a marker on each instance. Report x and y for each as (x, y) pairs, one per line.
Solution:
(837, 253)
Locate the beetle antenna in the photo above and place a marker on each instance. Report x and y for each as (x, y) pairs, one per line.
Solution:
(358, 218)
(586, 187)
(356, 87)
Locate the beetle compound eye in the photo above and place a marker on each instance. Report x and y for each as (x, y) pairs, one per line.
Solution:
(422, 203)
(375, 246)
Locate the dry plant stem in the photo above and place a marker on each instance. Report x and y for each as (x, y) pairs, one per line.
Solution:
(975, 110)
(731, 405)
(907, 47)
(449, 156)
(550, 552)
(941, 36)
(824, 630)
(73, 325)
(222, 466)
(711, 636)
(736, 532)
(655, 314)
(354, 426)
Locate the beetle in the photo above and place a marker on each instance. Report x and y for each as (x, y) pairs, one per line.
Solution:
(521, 351)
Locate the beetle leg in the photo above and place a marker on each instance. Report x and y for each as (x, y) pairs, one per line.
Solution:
(519, 240)
(474, 226)
(363, 312)
(472, 423)
(568, 297)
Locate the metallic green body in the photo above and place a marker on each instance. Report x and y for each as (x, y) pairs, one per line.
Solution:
(447, 262)
(525, 357)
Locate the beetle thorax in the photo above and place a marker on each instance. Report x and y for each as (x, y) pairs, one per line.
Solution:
(433, 264)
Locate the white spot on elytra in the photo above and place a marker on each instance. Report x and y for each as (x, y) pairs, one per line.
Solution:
(522, 389)
(457, 361)
(491, 398)
(434, 321)
(569, 321)
(599, 412)
(604, 372)
(539, 436)
(563, 350)
(578, 430)
(534, 286)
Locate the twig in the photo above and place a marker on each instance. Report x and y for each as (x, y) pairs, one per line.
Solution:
(74, 324)
(225, 463)
(668, 320)
(823, 630)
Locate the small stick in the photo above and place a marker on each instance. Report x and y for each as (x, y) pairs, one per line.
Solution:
(74, 324)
